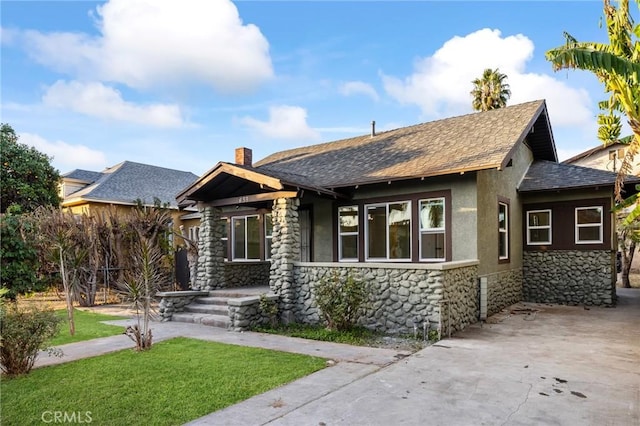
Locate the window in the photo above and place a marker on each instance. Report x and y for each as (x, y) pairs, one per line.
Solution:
(503, 231)
(432, 229)
(268, 235)
(539, 227)
(224, 222)
(194, 233)
(388, 231)
(348, 233)
(246, 237)
(588, 225)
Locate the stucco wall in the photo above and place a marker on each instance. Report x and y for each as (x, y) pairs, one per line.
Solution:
(491, 185)
(463, 204)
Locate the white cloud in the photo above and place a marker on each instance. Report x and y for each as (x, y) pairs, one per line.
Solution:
(359, 88)
(285, 122)
(98, 100)
(147, 43)
(441, 84)
(66, 156)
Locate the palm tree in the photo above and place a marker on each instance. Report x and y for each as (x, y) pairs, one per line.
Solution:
(617, 66)
(490, 91)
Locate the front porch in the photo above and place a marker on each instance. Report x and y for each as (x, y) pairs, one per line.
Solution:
(234, 308)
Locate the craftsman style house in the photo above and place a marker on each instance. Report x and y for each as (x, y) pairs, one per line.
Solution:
(447, 221)
(123, 186)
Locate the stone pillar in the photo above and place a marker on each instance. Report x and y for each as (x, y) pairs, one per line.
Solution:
(285, 250)
(210, 274)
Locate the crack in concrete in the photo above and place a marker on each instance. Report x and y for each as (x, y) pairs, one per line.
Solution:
(526, 398)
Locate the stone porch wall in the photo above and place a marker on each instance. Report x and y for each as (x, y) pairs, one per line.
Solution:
(246, 274)
(175, 301)
(400, 296)
(503, 289)
(569, 277)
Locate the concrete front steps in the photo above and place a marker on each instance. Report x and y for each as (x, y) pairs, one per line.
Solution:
(213, 309)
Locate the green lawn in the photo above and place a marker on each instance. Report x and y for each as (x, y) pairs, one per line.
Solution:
(178, 380)
(358, 336)
(88, 326)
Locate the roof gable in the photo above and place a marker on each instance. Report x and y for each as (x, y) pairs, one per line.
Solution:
(466, 143)
(232, 180)
(129, 181)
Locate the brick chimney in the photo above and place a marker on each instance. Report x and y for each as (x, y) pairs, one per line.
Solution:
(243, 156)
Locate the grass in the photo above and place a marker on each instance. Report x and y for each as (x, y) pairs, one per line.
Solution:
(178, 380)
(358, 336)
(88, 326)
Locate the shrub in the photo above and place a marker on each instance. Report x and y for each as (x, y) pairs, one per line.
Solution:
(270, 309)
(24, 333)
(340, 299)
(18, 255)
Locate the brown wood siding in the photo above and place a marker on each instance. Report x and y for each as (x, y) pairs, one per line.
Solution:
(563, 225)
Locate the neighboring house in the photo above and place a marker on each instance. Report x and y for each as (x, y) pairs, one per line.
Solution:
(446, 221)
(603, 158)
(122, 185)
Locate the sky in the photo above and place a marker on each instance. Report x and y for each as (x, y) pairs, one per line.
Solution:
(181, 84)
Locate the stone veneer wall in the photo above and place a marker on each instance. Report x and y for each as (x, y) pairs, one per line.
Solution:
(401, 296)
(245, 312)
(569, 277)
(285, 250)
(246, 274)
(175, 301)
(210, 274)
(461, 294)
(503, 289)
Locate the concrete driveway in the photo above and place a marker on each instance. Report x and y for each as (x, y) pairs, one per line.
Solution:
(533, 365)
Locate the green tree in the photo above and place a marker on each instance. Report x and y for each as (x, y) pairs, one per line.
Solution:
(26, 175)
(18, 255)
(617, 66)
(491, 91)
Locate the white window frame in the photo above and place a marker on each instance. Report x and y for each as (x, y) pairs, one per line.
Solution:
(531, 227)
(246, 241)
(442, 230)
(366, 230)
(347, 234)
(225, 237)
(268, 238)
(194, 233)
(590, 225)
(504, 230)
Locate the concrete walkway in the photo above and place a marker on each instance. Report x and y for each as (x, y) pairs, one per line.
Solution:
(533, 364)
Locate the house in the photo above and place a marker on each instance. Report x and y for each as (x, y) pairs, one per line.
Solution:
(603, 157)
(123, 185)
(607, 158)
(447, 221)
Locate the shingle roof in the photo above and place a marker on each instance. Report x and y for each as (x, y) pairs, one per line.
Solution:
(471, 142)
(593, 151)
(129, 181)
(83, 175)
(547, 175)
